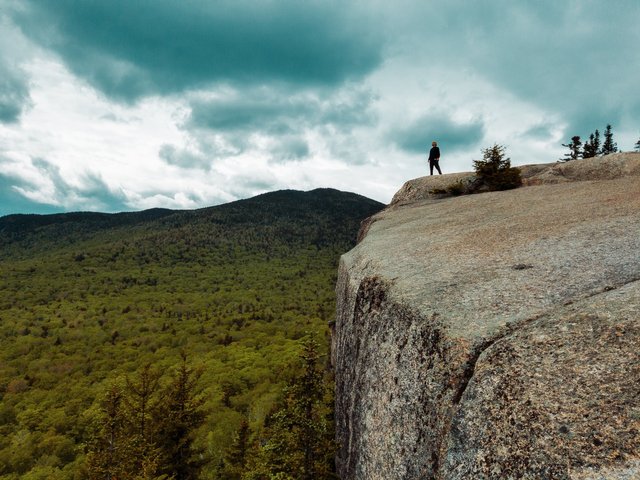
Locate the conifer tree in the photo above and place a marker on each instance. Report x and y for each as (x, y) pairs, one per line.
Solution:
(142, 404)
(145, 432)
(608, 146)
(180, 414)
(595, 144)
(637, 145)
(574, 149)
(495, 171)
(299, 435)
(235, 459)
(589, 150)
(109, 456)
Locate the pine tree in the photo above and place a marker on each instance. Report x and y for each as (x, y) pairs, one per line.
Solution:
(574, 149)
(608, 146)
(299, 434)
(494, 171)
(180, 414)
(142, 404)
(145, 432)
(589, 150)
(308, 392)
(109, 456)
(235, 459)
(595, 144)
(637, 146)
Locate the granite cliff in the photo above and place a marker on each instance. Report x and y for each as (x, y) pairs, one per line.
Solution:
(495, 336)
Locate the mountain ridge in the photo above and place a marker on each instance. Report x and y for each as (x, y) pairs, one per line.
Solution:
(20, 220)
(259, 211)
(236, 288)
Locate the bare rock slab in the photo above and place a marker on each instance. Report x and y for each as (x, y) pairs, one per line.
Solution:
(495, 336)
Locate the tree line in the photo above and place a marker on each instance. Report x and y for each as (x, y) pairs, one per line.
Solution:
(594, 146)
(145, 431)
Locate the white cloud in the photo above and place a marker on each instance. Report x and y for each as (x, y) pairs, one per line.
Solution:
(82, 134)
(467, 75)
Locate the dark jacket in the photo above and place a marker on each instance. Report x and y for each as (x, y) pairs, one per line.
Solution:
(434, 154)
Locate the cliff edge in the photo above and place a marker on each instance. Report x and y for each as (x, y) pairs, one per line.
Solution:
(495, 336)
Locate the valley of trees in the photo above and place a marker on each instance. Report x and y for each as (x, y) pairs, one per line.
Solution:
(160, 344)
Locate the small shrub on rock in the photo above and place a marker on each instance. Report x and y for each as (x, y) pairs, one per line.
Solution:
(457, 188)
(494, 171)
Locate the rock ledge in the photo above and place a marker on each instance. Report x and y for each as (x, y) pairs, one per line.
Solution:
(495, 336)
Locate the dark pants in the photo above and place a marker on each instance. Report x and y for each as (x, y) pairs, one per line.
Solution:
(434, 163)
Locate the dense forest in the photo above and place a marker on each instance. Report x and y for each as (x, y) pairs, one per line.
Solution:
(191, 344)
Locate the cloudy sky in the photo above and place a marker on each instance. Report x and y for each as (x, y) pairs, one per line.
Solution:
(114, 105)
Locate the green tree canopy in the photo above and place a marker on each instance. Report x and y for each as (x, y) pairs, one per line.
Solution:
(574, 149)
(608, 146)
(145, 432)
(589, 149)
(299, 438)
(494, 171)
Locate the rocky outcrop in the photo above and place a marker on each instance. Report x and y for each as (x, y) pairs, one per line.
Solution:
(495, 336)
(590, 169)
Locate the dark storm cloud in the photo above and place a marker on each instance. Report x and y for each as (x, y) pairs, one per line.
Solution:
(132, 49)
(14, 97)
(290, 149)
(225, 125)
(251, 112)
(251, 184)
(279, 111)
(579, 58)
(284, 148)
(14, 91)
(185, 158)
(452, 136)
(52, 173)
(539, 132)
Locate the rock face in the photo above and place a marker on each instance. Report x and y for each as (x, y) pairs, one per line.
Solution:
(495, 336)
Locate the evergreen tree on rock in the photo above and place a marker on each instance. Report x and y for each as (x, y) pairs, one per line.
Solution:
(589, 149)
(494, 171)
(574, 149)
(608, 146)
(595, 144)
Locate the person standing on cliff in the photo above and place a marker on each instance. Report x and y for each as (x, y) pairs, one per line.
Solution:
(434, 158)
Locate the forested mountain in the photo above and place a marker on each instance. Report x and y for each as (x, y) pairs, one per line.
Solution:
(91, 303)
